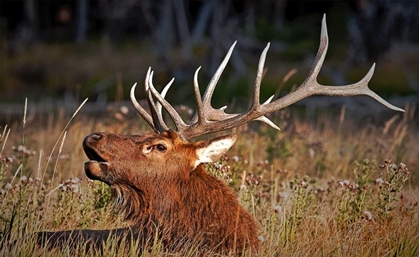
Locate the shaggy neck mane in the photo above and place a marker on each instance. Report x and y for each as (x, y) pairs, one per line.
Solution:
(189, 210)
(131, 202)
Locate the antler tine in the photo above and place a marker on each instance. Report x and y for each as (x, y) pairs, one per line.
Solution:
(258, 78)
(156, 114)
(358, 88)
(155, 117)
(212, 84)
(143, 113)
(199, 102)
(265, 119)
(320, 55)
(163, 94)
(179, 123)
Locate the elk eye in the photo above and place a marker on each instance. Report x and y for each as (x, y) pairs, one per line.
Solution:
(161, 147)
(148, 149)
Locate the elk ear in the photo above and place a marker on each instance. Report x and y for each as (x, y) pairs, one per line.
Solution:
(212, 150)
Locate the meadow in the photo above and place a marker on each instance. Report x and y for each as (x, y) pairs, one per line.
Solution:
(328, 185)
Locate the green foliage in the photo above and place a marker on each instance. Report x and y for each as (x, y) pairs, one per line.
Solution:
(221, 170)
(303, 198)
(278, 147)
(84, 207)
(390, 184)
(354, 196)
(101, 194)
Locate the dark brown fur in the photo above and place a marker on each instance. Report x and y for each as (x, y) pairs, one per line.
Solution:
(161, 191)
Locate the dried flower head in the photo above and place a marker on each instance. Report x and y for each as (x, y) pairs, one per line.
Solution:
(367, 215)
(303, 184)
(124, 110)
(23, 179)
(235, 158)
(379, 181)
(278, 208)
(261, 238)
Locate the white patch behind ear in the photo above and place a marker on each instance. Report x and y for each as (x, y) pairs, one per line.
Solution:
(214, 149)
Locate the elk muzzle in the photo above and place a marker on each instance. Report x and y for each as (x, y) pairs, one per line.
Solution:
(97, 166)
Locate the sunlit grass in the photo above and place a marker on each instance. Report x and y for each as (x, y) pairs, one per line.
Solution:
(331, 186)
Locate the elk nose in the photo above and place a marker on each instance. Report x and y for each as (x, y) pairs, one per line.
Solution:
(92, 138)
(95, 136)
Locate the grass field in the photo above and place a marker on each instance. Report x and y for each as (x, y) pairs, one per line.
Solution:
(333, 185)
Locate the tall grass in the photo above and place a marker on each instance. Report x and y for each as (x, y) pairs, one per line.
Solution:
(331, 186)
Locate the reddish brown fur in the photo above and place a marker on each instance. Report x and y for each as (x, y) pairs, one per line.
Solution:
(161, 191)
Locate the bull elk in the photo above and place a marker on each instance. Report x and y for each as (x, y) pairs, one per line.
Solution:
(159, 181)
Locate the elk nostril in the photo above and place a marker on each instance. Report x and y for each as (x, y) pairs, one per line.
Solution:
(92, 139)
(95, 136)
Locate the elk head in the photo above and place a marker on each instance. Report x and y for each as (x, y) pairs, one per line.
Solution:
(160, 172)
(114, 158)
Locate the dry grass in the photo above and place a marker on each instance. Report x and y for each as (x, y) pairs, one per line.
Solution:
(325, 187)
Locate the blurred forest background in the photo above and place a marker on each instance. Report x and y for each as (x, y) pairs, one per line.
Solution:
(60, 52)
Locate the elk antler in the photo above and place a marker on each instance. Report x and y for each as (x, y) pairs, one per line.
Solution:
(209, 120)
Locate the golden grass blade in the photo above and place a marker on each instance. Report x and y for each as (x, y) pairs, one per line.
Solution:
(62, 132)
(58, 156)
(4, 138)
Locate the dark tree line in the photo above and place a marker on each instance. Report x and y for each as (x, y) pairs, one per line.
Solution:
(175, 23)
(372, 26)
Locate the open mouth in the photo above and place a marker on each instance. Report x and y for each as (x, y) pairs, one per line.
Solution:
(97, 166)
(93, 155)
